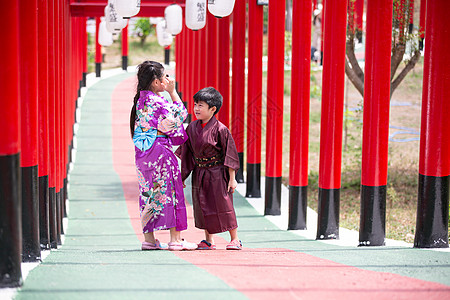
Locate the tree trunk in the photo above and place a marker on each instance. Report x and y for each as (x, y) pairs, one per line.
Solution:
(409, 66)
(143, 38)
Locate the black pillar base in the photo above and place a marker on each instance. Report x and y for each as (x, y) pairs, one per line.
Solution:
(58, 217)
(31, 250)
(84, 79)
(298, 204)
(98, 69)
(328, 214)
(53, 226)
(44, 223)
(167, 56)
(272, 196)
(64, 211)
(410, 28)
(372, 226)
(421, 44)
(432, 212)
(69, 154)
(80, 85)
(124, 63)
(10, 221)
(240, 172)
(253, 181)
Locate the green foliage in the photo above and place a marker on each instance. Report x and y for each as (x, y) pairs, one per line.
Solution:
(91, 53)
(144, 29)
(287, 44)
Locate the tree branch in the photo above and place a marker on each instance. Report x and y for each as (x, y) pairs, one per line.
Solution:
(350, 52)
(354, 78)
(409, 66)
(397, 56)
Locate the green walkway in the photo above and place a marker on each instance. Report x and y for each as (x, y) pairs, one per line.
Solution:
(101, 256)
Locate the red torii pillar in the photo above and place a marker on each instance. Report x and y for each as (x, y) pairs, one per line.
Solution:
(254, 99)
(275, 95)
(411, 16)
(212, 58)
(43, 172)
(125, 47)
(10, 179)
(189, 76)
(377, 83)
(224, 69)
(59, 116)
(84, 50)
(195, 70)
(98, 50)
(200, 51)
(300, 92)
(203, 53)
(67, 104)
(434, 161)
(333, 80)
(52, 122)
(29, 129)
(181, 65)
(58, 119)
(322, 36)
(238, 84)
(359, 10)
(423, 8)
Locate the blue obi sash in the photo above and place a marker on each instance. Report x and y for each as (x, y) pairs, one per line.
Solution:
(144, 140)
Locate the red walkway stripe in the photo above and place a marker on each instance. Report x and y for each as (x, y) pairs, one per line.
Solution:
(263, 272)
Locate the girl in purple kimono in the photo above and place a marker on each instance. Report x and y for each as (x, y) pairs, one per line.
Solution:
(156, 126)
(210, 154)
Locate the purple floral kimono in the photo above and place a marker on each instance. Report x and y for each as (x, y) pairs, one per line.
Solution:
(161, 198)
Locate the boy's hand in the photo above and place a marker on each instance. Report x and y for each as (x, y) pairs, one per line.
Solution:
(232, 185)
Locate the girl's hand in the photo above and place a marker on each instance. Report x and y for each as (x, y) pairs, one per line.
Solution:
(169, 84)
(184, 185)
(232, 185)
(166, 125)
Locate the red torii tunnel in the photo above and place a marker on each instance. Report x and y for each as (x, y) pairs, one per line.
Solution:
(44, 62)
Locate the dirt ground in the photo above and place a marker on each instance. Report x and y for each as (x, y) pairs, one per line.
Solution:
(405, 112)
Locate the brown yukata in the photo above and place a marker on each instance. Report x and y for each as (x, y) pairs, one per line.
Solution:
(208, 153)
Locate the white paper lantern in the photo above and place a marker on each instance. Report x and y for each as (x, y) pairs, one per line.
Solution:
(174, 18)
(220, 8)
(104, 36)
(164, 38)
(114, 22)
(195, 11)
(127, 8)
(155, 20)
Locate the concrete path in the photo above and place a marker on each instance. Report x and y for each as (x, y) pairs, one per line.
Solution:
(101, 256)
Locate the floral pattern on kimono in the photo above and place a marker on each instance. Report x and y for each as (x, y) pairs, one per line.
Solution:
(161, 198)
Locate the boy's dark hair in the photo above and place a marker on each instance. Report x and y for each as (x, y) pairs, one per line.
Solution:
(210, 96)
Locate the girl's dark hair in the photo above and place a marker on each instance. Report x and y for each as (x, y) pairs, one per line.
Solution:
(210, 96)
(148, 71)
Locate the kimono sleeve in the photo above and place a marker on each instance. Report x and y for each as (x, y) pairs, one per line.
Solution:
(230, 154)
(146, 113)
(184, 152)
(179, 111)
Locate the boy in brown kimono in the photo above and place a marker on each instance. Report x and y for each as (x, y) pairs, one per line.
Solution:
(210, 154)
